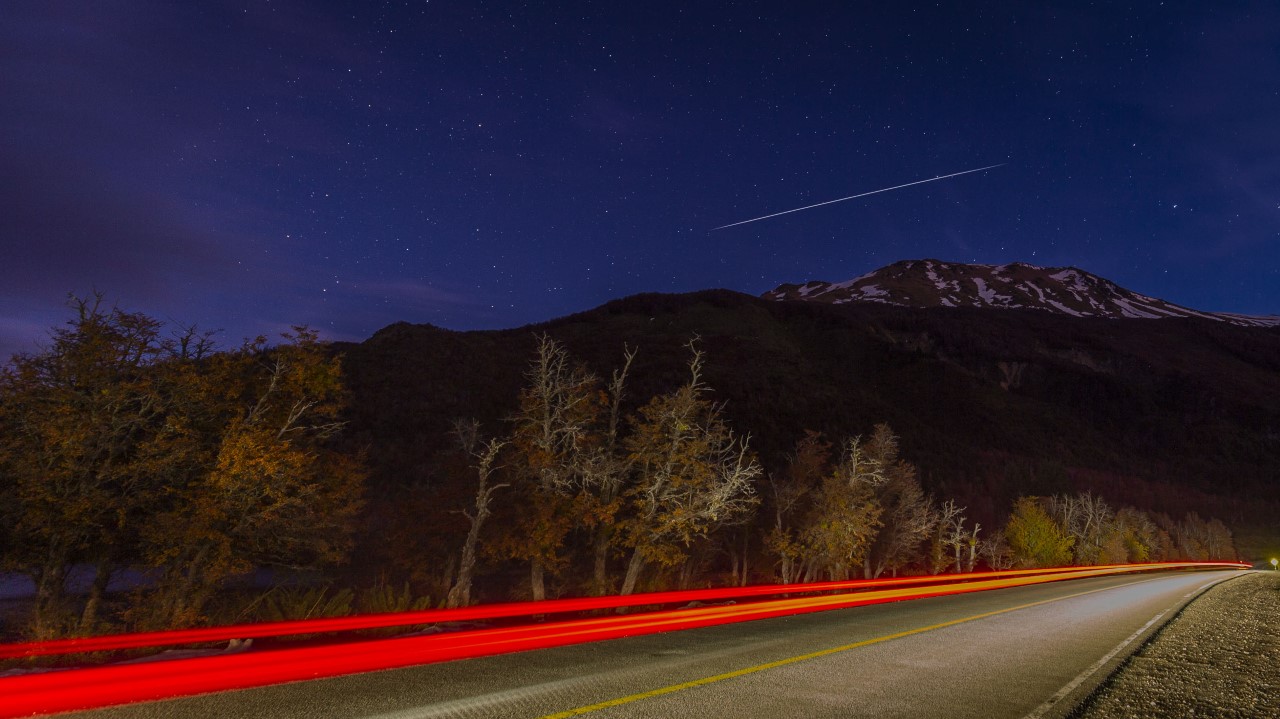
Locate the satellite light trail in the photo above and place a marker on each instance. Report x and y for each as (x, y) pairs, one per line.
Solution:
(854, 197)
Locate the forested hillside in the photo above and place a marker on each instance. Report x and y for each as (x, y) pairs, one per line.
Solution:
(1170, 416)
(657, 441)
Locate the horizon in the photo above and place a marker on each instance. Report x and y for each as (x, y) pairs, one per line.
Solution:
(5, 339)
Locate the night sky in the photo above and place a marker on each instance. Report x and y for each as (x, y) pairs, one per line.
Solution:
(253, 165)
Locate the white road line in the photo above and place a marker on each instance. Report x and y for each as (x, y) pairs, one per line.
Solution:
(1071, 686)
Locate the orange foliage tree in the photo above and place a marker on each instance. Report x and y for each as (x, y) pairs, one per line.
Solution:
(78, 425)
(252, 480)
(120, 445)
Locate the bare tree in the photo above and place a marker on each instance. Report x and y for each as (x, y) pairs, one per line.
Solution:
(604, 471)
(972, 542)
(693, 474)
(1192, 537)
(1218, 540)
(485, 455)
(995, 551)
(960, 540)
(908, 515)
(552, 429)
(945, 535)
(1087, 518)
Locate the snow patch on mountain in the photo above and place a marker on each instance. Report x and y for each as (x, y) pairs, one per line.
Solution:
(1067, 310)
(1061, 290)
(987, 294)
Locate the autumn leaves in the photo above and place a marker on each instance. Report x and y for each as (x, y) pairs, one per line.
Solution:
(124, 445)
(646, 487)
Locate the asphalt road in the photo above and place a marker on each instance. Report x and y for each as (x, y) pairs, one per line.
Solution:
(1002, 653)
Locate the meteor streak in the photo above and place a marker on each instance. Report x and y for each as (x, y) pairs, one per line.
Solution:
(854, 197)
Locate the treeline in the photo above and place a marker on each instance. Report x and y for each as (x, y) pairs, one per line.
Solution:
(123, 445)
(1085, 530)
(591, 499)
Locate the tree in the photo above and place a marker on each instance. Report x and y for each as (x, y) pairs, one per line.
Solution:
(953, 536)
(1218, 541)
(1088, 519)
(553, 430)
(792, 495)
(995, 551)
(1035, 539)
(119, 444)
(946, 537)
(604, 471)
(1199, 540)
(252, 478)
(484, 455)
(908, 516)
(1168, 531)
(692, 475)
(844, 517)
(1130, 536)
(76, 424)
(966, 543)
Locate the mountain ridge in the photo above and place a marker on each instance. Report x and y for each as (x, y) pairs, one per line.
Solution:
(1067, 291)
(1168, 416)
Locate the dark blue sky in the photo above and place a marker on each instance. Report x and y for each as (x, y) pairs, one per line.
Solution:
(251, 165)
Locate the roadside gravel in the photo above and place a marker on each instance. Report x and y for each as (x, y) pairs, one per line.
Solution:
(1220, 657)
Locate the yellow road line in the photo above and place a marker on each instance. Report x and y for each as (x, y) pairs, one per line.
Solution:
(804, 657)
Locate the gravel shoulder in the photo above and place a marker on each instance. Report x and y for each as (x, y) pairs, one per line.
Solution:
(1220, 657)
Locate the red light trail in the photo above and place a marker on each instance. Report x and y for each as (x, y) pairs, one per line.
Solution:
(115, 642)
(58, 691)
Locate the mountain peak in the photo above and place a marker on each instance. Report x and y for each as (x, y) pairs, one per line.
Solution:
(1017, 285)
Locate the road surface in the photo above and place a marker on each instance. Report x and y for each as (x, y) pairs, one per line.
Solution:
(1002, 653)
